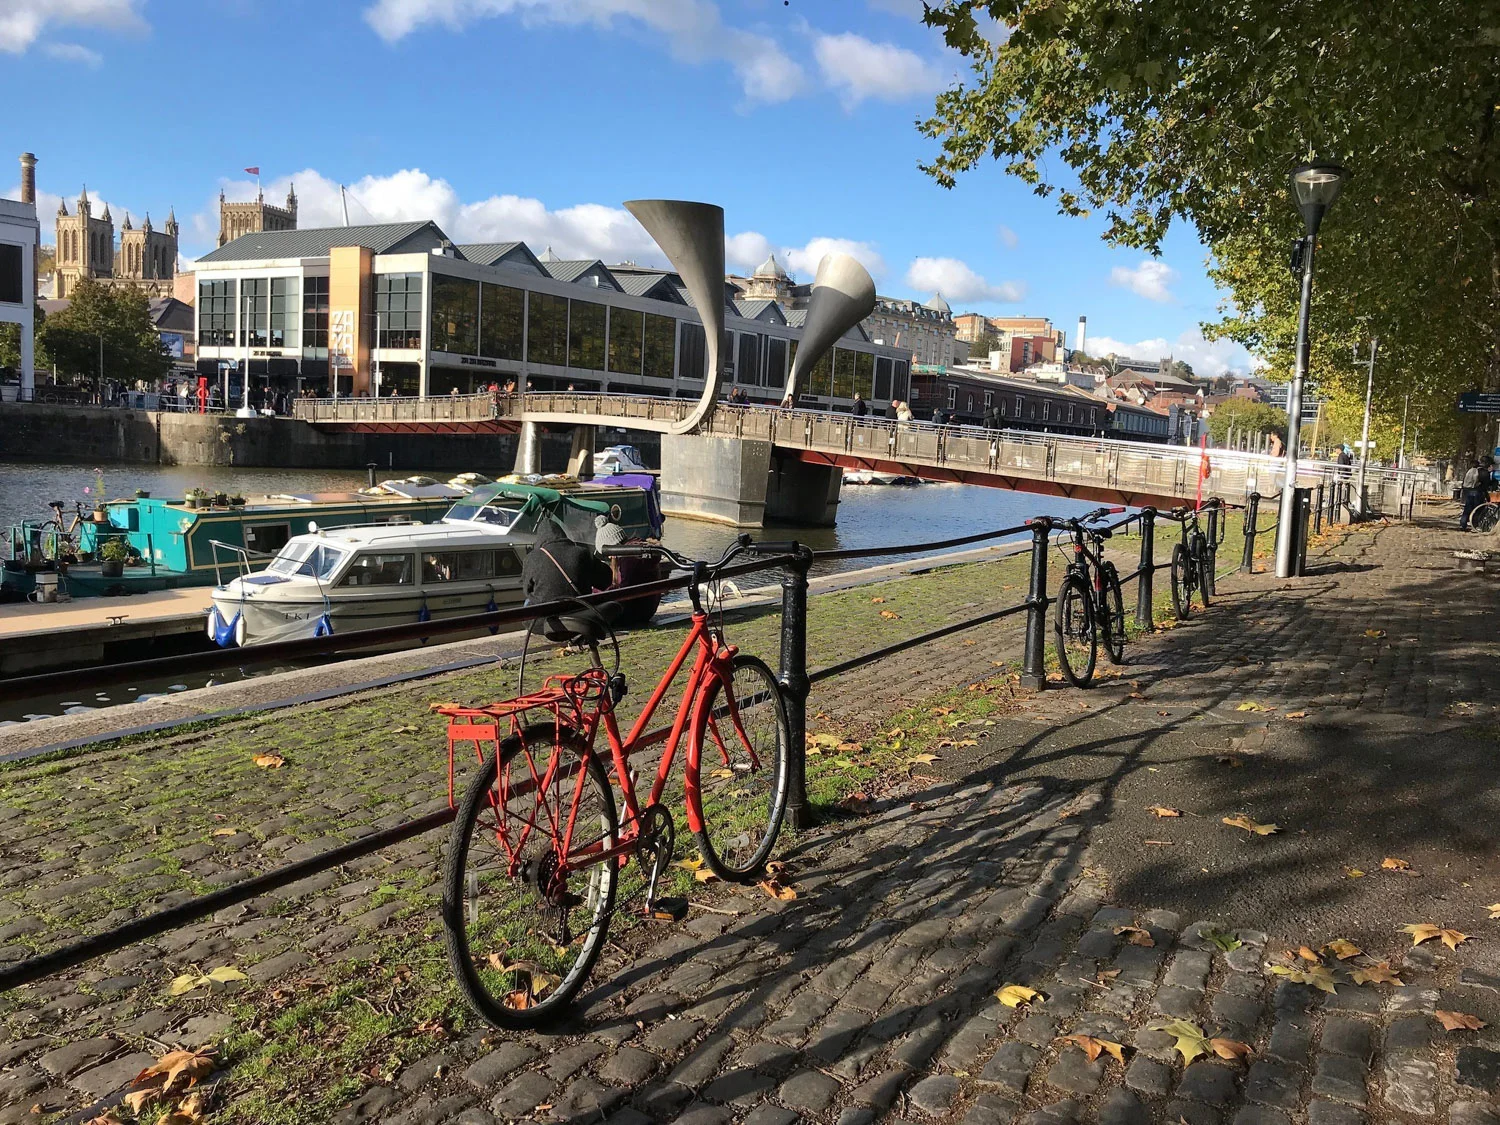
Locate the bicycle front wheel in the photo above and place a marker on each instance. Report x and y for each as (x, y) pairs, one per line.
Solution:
(1184, 580)
(1203, 566)
(522, 933)
(1485, 518)
(1077, 631)
(737, 769)
(1112, 613)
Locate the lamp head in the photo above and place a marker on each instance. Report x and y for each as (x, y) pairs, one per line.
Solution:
(1315, 186)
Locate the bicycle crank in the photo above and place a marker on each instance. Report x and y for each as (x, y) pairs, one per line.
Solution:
(659, 841)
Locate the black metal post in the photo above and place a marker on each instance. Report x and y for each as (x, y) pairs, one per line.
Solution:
(1252, 515)
(794, 682)
(1144, 598)
(1034, 661)
(1318, 518)
(1213, 549)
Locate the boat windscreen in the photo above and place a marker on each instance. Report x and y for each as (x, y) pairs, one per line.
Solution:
(307, 558)
(504, 512)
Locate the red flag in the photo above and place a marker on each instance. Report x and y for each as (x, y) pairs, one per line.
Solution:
(253, 171)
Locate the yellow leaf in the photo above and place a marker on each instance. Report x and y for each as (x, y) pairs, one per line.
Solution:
(225, 831)
(1390, 863)
(1308, 955)
(1494, 909)
(1163, 811)
(704, 875)
(1318, 976)
(922, 759)
(967, 742)
(1240, 820)
(721, 773)
(1137, 936)
(1342, 948)
(226, 973)
(1251, 705)
(407, 729)
(692, 864)
(1093, 1047)
(1014, 995)
(895, 732)
(1191, 1042)
(877, 601)
(824, 739)
(1375, 634)
(185, 983)
(1376, 974)
(269, 761)
(1459, 1021)
(1425, 931)
(1230, 1049)
(890, 615)
(1354, 873)
(1296, 715)
(776, 890)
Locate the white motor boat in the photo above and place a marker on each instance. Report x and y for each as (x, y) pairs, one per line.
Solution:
(870, 476)
(616, 459)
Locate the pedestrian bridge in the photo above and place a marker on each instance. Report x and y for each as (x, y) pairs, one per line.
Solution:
(1092, 469)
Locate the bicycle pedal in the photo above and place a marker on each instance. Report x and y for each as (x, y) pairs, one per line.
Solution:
(667, 910)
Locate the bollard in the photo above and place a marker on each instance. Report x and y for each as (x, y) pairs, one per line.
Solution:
(1318, 510)
(1301, 506)
(1252, 513)
(794, 683)
(1143, 595)
(1034, 661)
(1213, 550)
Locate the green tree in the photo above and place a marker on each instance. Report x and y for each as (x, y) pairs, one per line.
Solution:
(1197, 109)
(1246, 417)
(112, 321)
(983, 344)
(10, 343)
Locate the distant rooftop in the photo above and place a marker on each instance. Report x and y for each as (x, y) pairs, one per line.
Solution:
(382, 238)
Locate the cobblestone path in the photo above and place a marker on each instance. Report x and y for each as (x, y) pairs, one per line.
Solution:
(1031, 861)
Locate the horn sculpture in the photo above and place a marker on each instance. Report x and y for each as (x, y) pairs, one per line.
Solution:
(692, 237)
(843, 294)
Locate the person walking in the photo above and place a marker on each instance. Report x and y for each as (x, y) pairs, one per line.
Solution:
(1478, 481)
(860, 409)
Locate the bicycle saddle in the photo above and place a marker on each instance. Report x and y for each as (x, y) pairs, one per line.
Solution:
(1103, 533)
(581, 628)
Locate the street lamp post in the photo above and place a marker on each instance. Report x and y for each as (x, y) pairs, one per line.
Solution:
(1364, 437)
(1314, 188)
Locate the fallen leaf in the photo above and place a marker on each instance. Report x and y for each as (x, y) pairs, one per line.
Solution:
(1295, 715)
(1240, 820)
(1342, 948)
(1354, 873)
(877, 601)
(1425, 931)
(704, 875)
(1093, 1047)
(225, 831)
(1191, 1042)
(183, 984)
(776, 890)
(1308, 955)
(407, 729)
(890, 615)
(858, 803)
(1106, 976)
(1375, 634)
(1494, 909)
(269, 761)
(1376, 974)
(1390, 863)
(1137, 936)
(1224, 942)
(1318, 976)
(1251, 705)
(922, 759)
(719, 774)
(226, 973)
(1458, 1021)
(692, 864)
(1014, 995)
(1163, 811)
(1230, 1049)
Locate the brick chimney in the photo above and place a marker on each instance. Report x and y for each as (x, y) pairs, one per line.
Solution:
(28, 178)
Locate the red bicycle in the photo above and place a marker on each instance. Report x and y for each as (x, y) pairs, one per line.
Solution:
(537, 850)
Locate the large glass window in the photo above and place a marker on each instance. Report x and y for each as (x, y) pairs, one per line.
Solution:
(747, 367)
(379, 570)
(820, 378)
(455, 315)
(776, 362)
(315, 314)
(216, 313)
(882, 377)
(694, 359)
(843, 373)
(286, 313)
(12, 287)
(864, 374)
(900, 379)
(255, 307)
(398, 309)
(502, 322)
(586, 335)
(625, 330)
(660, 347)
(547, 329)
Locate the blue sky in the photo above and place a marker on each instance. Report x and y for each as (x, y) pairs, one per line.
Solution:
(535, 119)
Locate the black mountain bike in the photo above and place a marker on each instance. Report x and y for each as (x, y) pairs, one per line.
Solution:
(1090, 607)
(1192, 565)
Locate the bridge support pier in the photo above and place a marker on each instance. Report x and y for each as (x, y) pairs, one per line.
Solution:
(529, 449)
(741, 482)
(581, 455)
(803, 494)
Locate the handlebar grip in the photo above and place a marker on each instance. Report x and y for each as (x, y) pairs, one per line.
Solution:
(629, 550)
(773, 547)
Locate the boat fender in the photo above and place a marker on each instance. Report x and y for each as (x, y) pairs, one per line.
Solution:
(424, 614)
(324, 627)
(491, 607)
(224, 633)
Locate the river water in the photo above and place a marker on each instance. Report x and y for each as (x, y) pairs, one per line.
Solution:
(868, 516)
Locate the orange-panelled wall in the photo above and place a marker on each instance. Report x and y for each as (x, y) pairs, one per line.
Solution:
(350, 324)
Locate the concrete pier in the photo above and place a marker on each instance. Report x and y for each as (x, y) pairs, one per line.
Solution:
(744, 483)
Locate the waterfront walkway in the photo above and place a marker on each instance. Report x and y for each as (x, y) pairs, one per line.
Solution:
(1348, 708)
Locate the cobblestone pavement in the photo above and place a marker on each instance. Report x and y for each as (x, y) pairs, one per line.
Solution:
(1033, 861)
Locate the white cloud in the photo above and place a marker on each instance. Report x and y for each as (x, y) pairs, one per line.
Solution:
(694, 29)
(859, 69)
(956, 281)
(1008, 238)
(745, 251)
(1150, 279)
(1206, 357)
(23, 21)
(72, 52)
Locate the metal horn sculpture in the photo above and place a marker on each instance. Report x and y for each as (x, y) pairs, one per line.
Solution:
(692, 237)
(843, 294)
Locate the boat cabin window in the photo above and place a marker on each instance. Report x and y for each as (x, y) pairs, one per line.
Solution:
(379, 570)
(499, 512)
(308, 559)
(469, 566)
(267, 538)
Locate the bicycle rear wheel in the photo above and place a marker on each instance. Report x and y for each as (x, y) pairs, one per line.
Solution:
(1112, 613)
(523, 936)
(1486, 517)
(737, 769)
(1184, 582)
(1077, 631)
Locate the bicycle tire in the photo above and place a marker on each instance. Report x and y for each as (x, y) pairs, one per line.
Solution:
(766, 705)
(479, 986)
(1112, 613)
(1203, 566)
(1486, 517)
(1077, 631)
(1183, 581)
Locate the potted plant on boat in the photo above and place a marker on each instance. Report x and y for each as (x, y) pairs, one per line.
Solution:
(143, 494)
(236, 501)
(112, 558)
(101, 514)
(221, 499)
(195, 498)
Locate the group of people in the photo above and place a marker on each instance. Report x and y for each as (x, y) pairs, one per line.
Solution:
(1478, 482)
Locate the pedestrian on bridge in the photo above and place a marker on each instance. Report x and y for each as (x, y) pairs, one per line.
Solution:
(860, 409)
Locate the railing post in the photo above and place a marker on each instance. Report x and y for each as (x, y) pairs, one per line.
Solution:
(1252, 514)
(1318, 513)
(1144, 596)
(1034, 661)
(794, 683)
(1214, 516)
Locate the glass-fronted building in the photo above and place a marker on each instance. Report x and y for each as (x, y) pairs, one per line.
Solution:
(400, 309)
